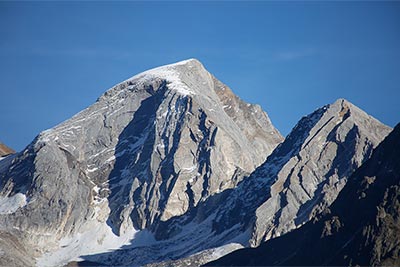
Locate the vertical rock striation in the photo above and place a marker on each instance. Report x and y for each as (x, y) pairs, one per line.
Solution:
(300, 178)
(151, 148)
(361, 228)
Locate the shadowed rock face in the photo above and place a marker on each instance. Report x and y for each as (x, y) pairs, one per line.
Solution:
(151, 148)
(362, 227)
(5, 150)
(326, 147)
(301, 177)
(163, 167)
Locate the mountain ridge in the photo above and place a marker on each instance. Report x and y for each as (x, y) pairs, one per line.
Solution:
(149, 149)
(360, 228)
(171, 165)
(231, 219)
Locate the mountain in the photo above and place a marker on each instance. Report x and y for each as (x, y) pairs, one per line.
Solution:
(151, 148)
(5, 150)
(320, 153)
(171, 168)
(311, 167)
(361, 228)
(301, 177)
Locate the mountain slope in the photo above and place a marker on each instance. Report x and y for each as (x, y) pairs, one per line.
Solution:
(151, 148)
(300, 178)
(337, 139)
(362, 227)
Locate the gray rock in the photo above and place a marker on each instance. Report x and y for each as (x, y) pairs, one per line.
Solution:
(160, 167)
(361, 227)
(151, 148)
(303, 175)
(335, 141)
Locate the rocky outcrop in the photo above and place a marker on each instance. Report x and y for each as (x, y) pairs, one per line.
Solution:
(151, 148)
(361, 228)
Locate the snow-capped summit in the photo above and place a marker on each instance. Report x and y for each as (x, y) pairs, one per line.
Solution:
(170, 165)
(151, 148)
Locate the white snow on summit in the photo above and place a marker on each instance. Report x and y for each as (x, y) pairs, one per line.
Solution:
(170, 74)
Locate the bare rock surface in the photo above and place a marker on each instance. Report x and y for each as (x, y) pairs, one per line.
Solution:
(327, 147)
(301, 177)
(361, 227)
(170, 168)
(151, 148)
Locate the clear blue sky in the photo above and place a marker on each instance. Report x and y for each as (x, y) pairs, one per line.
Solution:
(291, 57)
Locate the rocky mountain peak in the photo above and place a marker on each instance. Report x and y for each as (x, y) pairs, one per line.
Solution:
(360, 228)
(187, 77)
(172, 164)
(307, 171)
(151, 148)
(300, 178)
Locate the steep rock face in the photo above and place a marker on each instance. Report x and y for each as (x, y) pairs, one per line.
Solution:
(361, 228)
(300, 178)
(326, 147)
(150, 148)
(5, 150)
(303, 175)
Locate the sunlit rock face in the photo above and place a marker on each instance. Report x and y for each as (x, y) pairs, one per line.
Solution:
(151, 148)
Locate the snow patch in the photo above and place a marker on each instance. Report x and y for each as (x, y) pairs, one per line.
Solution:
(170, 74)
(223, 250)
(110, 159)
(92, 170)
(189, 169)
(96, 238)
(9, 205)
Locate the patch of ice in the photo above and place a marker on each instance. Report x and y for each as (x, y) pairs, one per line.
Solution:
(67, 146)
(99, 153)
(92, 170)
(223, 250)
(163, 115)
(96, 189)
(189, 169)
(96, 238)
(170, 74)
(115, 111)
(9, 205)
(112, 158)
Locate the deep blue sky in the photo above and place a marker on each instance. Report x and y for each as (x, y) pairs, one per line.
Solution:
(291, 57)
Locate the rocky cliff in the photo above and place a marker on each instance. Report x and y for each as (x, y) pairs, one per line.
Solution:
(308, 171)
(361, 228)
(164, 169)
(301, 177)
(151, 148)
